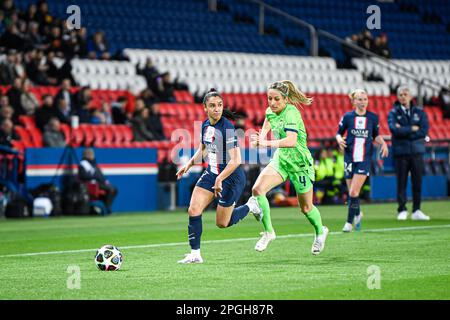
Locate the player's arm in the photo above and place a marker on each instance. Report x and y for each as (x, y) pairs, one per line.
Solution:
(198, 155)
(341, 130)
(289, 142)
(384, 148)
(379, 139)
(265, 129)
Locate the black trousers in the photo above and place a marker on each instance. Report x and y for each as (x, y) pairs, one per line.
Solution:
(403, 166)
(110, 195)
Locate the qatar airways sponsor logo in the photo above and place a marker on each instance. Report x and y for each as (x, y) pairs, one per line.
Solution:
(360, 133)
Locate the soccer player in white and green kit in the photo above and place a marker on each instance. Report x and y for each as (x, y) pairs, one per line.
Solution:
(291, 160)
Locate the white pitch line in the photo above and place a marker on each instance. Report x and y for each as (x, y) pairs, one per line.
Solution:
(157, 245)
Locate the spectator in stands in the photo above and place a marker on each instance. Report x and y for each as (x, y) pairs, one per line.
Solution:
(43, 17)
(53, 137)
(30, 15)
(28, 100)
(66, 94)
(139, 122)
(7, 112)
(37, 70)
(444, 100)
(97, 116)
(19, 67)
(118, 112)
(84, 113)
(366, 40)
(45, 112)
(150, 74)
(409, 127)
(7, 133)
(98, 47)
(7, 69)
(154, 124)
(149, 97)
(62, 111)
(166, 88)
(14, 94)
(52, 70)
(89, 171)
(8, 7)
(12, 38)
(55, 41)
(83, 97)
(381, 47)
(105, 111)
(81, 49)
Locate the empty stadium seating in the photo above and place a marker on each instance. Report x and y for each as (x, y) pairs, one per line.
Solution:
(252, 73)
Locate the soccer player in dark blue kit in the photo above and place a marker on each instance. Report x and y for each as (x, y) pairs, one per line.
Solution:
(362, 129)
(224, 178)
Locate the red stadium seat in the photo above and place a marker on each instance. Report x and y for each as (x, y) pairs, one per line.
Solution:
(24, 136)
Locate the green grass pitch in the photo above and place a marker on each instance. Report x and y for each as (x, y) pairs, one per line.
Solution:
(412, 257)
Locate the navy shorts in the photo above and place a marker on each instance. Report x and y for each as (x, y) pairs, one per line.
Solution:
(352, 168)
(232, 187)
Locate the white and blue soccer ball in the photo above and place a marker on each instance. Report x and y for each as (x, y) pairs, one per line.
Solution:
(108, 258)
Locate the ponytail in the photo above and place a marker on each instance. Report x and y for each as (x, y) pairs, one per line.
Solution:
(230, 115)
(288, 90)
(295, 96)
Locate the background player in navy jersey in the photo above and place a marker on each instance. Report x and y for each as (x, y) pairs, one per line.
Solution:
(362, 128)
(224, 178)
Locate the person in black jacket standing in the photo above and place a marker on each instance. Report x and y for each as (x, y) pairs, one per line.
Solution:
(88, 171)
(409, 127)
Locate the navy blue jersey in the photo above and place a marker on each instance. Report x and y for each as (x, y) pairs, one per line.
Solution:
(361, 131)
(218, 139)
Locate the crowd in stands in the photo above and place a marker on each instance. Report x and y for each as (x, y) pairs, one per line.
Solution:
(365, 40)
(36, 49)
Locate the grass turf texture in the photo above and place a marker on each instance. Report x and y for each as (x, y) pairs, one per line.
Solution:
(414, 263)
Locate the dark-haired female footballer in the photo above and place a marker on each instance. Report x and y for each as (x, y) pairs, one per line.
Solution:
(224, 178)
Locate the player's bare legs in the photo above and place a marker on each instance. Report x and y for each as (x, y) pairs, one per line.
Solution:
(313, 215)
(268, 179)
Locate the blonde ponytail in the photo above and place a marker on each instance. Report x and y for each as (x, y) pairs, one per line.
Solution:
(295, 96)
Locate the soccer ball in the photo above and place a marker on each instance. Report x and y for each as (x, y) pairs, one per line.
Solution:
(108, 258)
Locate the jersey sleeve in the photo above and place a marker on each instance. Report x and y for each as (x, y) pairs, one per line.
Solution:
(202, 131)
(376, 127)
(293, 120)
(342, 125)
(231, 139)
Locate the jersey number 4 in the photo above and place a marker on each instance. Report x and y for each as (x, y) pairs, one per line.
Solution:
(302, 180)
(348, 167)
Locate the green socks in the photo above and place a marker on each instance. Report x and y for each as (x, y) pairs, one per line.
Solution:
(264, 204)
(314, 218)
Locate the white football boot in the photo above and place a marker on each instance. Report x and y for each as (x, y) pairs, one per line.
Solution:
(191, 258)
(348, 227)
(419, 215)
(254, 207)
(319, 242)
(266, 238)
(402, 215)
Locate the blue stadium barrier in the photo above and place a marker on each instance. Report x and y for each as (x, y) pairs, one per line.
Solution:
(133, 171)
(384, 188)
